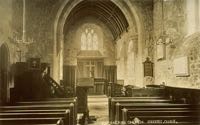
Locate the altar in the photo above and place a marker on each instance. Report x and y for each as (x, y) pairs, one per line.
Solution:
(98, 88)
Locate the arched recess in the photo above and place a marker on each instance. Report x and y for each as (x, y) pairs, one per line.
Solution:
(66, 7)
(4, 72)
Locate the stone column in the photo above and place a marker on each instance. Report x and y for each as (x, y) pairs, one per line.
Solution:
(61, 57)
(55, 61)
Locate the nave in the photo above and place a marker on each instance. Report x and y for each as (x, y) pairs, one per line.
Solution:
(153, 105)
(96, 62)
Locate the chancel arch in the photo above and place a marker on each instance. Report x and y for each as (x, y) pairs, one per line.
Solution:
(4, 72)
(106, 49)
(117, 24)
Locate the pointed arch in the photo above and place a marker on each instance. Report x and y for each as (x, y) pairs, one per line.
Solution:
(117, 26)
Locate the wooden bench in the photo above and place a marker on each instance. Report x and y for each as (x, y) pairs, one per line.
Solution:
(49, 108)
(64, 115)
(145, 92)
(181, 113)
(114, 101)
(44, 107)
(151, 107)
(160, 117)
(32, 111)
(52, 101)
(185, 95)
(147, 110)
(31, 121)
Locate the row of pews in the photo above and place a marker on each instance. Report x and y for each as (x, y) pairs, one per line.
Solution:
(37, 99)
(152, 110)
(51, 111)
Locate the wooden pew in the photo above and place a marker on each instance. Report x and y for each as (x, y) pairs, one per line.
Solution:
(31, 121)
(42, 106)
(156, 111)
(179, 117)
(127, 112)
(36, 107)
(52, 101)
(48, 101)
(150, 107)
(146, 92)
(113, 102)
(32, 111)
(184, 95)
(65, 115)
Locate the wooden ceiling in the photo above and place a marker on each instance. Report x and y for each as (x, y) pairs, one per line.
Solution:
(103, 10)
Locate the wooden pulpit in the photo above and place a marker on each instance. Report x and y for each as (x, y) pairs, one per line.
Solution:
(83, 84)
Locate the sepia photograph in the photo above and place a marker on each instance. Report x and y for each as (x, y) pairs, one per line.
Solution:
(99, 62)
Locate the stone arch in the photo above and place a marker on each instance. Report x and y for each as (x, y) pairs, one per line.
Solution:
(140, 45)
(4, 72)
(125, 6)
(184, 47)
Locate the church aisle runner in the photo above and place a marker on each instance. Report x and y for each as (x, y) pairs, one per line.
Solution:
(98, 107)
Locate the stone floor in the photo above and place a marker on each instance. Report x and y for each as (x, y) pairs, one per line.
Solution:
(98, 107)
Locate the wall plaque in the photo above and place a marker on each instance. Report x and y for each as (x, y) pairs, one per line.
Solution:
(180, 66)
(160, 51)
(148, 68)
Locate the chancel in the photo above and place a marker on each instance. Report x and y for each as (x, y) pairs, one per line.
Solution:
(100, 62)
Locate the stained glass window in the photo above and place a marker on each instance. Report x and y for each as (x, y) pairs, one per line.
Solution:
(89, 40)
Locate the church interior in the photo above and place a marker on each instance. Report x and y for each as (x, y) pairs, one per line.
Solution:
(100, 62)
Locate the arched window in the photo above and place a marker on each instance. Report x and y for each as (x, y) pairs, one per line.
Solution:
(89, 40)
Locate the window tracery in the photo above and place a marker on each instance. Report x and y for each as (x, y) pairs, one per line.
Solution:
(89, 39)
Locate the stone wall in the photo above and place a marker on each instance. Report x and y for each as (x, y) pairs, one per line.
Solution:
(72, 43)
(126, 57)
(128, 46)
(6, 18)
(41, 14)
(40, 17)
(6, 21)
(174, 25)
(145, 12)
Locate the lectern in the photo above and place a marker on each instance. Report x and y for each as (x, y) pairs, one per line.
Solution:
(83, 84)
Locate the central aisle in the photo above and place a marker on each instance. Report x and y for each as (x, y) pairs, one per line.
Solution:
(98, 107)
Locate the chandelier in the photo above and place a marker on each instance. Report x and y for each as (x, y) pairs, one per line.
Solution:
(164, 37)
(22, 39)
